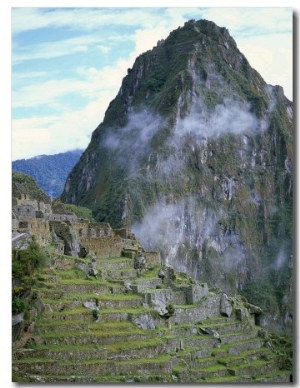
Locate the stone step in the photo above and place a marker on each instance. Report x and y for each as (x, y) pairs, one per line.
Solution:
(207, 372)
(225, 327)
(234, 337)
(49, 327)
(238, 347)
(277, 377)
(151, 348)
(203, 362)
(94, 337)
(44, 366)
(115, 263)
(51, 293)
(51, 378)
(46, 326)
(70, 302)
(85, 287)
(201, 352)
(227, 380)
(193, 314)
(127, 301)
(168, 295)
(198, 342)
(142, 285)
(62, 262)
(255, 368)
(252, 354)
(118, 352)
(97, 368)
(217, 321)
(120, 274)
(78, 314)
(61, 289)
(159, 365)
(63, 353)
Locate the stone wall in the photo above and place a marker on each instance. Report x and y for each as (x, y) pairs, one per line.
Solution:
(25, 212)
(153, 259)
(104, 247)
(85, 228)
(60, 217)
(194, 293)
(209, 308)
(40, 229)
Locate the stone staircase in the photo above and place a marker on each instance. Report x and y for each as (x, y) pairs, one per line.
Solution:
(109, 328)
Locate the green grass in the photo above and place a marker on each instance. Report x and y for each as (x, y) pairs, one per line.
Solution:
(210, 368)
(74, 273)
(243, 355)
(106, 297)
(81, 281)
(113, 348)
(32, 360)
(95, 333)
(224, 379)
(75, 311)
(160, 358)
(115, 260)
(123, 346)
(54, 322)
(135, 311)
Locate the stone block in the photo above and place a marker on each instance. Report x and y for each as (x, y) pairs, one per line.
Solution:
(194, 293)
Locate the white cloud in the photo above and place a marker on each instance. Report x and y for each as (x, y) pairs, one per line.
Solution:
(28, 19)
(251, 21)
(52, 134)
(274, 62)
(47, 50)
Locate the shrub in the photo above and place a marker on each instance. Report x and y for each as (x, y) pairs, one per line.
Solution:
(171, 309)
(18, 305)
(95, 314)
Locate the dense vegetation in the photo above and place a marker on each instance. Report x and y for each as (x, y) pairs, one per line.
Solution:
(26, 264)
(49, 171)
(28, 185)
(80, 211)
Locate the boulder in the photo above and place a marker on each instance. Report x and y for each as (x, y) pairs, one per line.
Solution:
(212, 332)
(225, 306)
(140, 262)
(144, 321)
(17, 326)
(91, 305)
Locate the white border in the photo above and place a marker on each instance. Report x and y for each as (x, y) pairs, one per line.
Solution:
(5, 117)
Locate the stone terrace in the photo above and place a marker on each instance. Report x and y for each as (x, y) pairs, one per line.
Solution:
(127, 319)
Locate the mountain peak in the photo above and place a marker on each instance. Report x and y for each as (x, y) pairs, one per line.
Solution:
(195, 152)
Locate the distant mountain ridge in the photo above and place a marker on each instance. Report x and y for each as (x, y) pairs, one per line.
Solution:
(49, 171)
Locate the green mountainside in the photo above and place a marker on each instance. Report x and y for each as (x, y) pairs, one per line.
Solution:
(25, 184)
(49, 171)
(195, 154)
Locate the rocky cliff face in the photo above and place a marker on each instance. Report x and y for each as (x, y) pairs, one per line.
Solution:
(195, 153)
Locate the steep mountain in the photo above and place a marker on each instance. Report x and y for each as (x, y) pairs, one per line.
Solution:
(49, 171)
(195, 154)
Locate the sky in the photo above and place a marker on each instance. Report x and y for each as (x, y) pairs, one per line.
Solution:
(68, 63)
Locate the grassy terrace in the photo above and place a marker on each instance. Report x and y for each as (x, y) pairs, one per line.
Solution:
(114, 349)
(71, 297)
